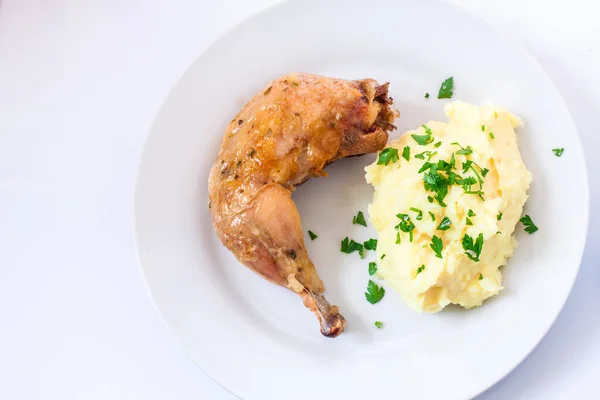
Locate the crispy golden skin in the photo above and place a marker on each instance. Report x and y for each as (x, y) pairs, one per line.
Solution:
(284, 135)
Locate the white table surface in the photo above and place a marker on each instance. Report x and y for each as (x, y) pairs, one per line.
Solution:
(80, 83)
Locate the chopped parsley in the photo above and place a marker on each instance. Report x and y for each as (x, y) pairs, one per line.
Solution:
(472, 248)
(378, 324)
(374, 292)
(372, 268)
(350, 246)
(428, 153)
(405, 225)
(469, 221)
(437, 246)
(419, 213)
(463, 151)
(445, 224)
(437, 183)
(471, 213)
(425, 167)
(558, 151)
(492, 136)
(312, 235)
(426, 95)
(406, 153)
(422, 139)
(432, 216)
(438, 144)
(499, 216)
(387, 155)
(420, 269)
(529, 225)
(480, 276)
(447, 89)
(359, 219)
(382, 257)
(371, 244)
(482, 128)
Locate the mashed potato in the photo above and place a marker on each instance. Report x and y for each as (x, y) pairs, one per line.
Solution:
(463, 207)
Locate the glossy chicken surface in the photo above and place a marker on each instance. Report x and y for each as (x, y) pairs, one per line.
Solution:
(283, 136)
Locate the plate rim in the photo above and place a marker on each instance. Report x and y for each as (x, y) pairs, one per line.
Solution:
(514, 43)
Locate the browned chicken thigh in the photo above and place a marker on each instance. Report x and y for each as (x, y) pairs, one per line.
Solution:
(284, 135)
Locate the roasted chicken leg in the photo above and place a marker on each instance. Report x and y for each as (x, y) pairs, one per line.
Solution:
(283, 136)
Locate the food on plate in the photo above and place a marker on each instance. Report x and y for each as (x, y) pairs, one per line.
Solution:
(284, 135)
(447, 198)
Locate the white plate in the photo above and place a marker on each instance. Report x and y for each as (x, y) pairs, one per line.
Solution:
(257, 339)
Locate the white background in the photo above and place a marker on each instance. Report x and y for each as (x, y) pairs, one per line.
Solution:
(80, 83)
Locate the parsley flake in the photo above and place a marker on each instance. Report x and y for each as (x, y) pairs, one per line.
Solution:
(382, 257)
(447, 89)
(492, 136)
(378, 324)
(482, 128)
(432, 216)
(472, 248)
(406, 153)
(350, 246)
(437, 246)
(372, 268)
(558, 151)
(312, 235)
(419, 213)
(420, 269)
(499, 216)
(387, 155)
(371, 244)
(426, 95)
(480, 276)
(374, 292)
(445, 224)
(359, 219)
(529, 225)
(471, 213)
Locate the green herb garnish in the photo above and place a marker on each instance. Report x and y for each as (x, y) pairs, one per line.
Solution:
(359, 219)
(438, 144)
(419, 213)
(405, 225)
(378, 324)
(382, 257)
(447, 89)
(463, 151)
(426, 95)
(422, 139)
(482, 128)
(437, 183)
(428, 153)
(470, 213)
(420, 269)
(469, 221)
(472, 248)
(432, 216)
(437, 246)
(445, 224)
(406, 153)
(387, 155)
(372, 268)
(350, 246)
(492, 136)
(371, 244)
(374, 293)
(529, 225)
(499, 216)
(480, 276)
(312, 235)
(558, 152)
